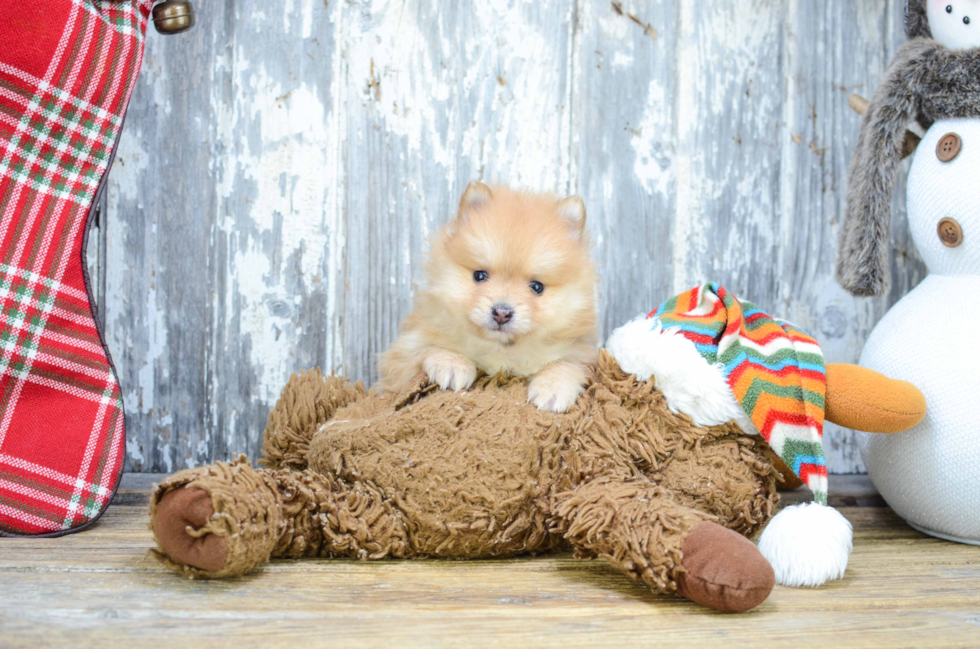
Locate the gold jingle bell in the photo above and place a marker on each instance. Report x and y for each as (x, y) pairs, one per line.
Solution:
(173, 16)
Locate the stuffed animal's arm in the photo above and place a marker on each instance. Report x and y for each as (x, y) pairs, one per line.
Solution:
(862, 259)
(865, 400)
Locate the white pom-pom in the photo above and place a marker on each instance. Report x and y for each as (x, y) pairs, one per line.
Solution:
(807, 545)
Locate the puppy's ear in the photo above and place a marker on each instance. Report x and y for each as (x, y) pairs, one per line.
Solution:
(476, 195)
(572, 209)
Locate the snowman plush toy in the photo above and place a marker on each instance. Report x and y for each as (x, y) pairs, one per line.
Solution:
(930, 475)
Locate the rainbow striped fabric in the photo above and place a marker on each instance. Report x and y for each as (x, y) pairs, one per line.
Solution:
(775, 370)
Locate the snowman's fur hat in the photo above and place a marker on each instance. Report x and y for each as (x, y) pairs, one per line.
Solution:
(925, 82)
(916, 19)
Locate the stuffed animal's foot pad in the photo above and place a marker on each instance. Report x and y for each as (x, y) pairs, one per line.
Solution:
(178, 510)
(723, 570)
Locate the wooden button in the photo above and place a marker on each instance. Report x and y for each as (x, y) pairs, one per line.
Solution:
(949, 147)
(950, 233)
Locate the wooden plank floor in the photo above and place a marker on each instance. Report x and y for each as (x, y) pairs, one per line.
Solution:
(99, 588)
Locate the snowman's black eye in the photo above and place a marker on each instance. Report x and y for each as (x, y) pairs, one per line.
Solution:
(949, 9)
(966, 20)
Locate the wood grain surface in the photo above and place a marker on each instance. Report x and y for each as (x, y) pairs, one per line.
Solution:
(100, 589)
(283, 165)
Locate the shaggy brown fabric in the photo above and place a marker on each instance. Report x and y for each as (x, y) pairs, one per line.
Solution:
(246, 514)
(308, 401)
(723, 570)
(482, 473)
(925, 82)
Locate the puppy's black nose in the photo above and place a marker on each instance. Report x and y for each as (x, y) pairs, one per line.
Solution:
(502, 313)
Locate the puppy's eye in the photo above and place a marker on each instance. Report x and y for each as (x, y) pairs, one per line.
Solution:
(949, 9)
(480, 276)
(537, 287)
(966, 20)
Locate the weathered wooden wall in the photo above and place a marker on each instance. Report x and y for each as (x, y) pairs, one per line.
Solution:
(283, 164)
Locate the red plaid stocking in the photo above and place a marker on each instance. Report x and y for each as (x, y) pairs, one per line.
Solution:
(67, 68)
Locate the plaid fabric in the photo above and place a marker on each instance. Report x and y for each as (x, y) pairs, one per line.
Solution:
(67, 68)
(775, 370)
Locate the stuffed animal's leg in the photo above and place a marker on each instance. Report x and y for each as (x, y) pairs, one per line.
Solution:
(637, 526)
(224, 520)
(308, 401)
(731, 478)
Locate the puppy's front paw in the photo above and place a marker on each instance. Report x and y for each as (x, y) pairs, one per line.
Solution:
(555, 393)
(450, 370)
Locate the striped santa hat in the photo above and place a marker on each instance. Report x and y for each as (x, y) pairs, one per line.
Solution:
(718, 359)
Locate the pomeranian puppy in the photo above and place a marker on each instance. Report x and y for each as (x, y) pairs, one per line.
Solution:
(510, 286)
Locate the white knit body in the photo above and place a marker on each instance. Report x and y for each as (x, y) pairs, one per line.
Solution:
(930, 475)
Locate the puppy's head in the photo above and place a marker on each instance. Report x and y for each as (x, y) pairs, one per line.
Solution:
(516, 264)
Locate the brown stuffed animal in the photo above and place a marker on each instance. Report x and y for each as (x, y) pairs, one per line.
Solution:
(482, 473)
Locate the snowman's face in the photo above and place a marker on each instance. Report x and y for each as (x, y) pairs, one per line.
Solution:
(943, 197)
(955, 23)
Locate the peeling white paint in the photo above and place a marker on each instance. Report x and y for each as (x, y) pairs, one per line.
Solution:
(689, 215)
(131, 164)
(134, 452)
(283, 183)
(622, 60)
(307, 28)
(333, 215)
(388, 59)
(156, 327)
(519, 69)
(651, 143)
(287, 14)
(788, 158)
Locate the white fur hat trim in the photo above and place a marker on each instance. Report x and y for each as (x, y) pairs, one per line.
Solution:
(688, 382)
